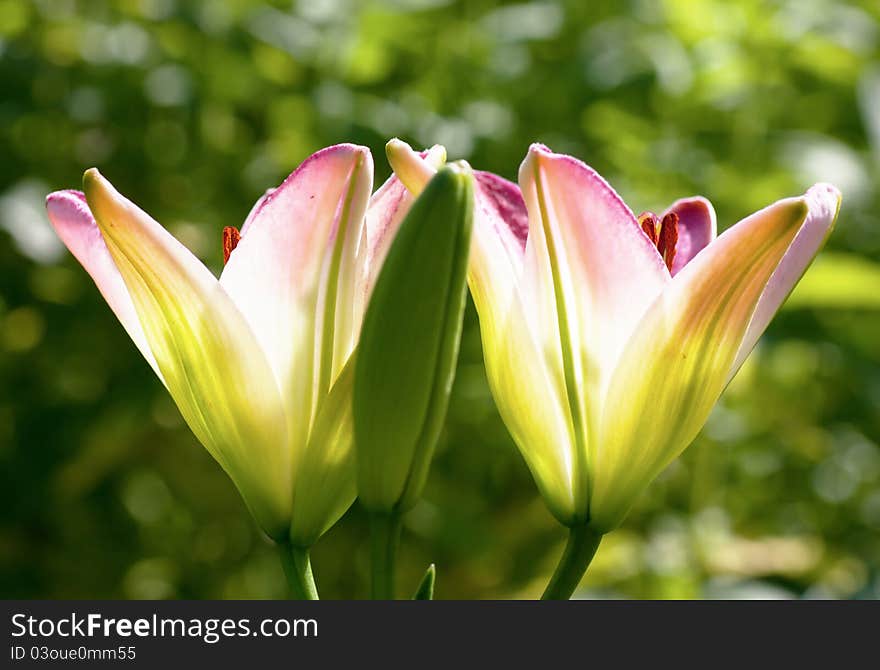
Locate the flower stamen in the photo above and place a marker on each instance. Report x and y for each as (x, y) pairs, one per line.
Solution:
(662, 233)
(231, 238)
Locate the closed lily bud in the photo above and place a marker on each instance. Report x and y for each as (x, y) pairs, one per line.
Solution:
(409, 343)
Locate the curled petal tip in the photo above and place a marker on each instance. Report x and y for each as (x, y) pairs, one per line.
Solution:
(64, 198)
(538, 148)
(409, 166)
(824, 199)
(461, 167)
(397, 151)
(345, 146)
(361, 154)
(695, 201)
(436, 155)
(397, 144)
(91, 175)
(705, 208)
(109, 207)
(68, 203)
(72, 219)
(825, 187)
(697, 227)
(95, 184)
(541, 155)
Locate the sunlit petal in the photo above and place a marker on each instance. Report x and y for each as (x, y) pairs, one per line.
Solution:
(326, 476)
(292, 275)
(210, 360)
(676, 363)
(824, 203)
(73, 221)
(586, 258)
(518, 369)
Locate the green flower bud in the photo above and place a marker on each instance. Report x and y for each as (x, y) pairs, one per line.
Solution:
(409, 343)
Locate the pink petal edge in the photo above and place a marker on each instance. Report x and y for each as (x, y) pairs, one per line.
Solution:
(72, 219)
(276, 266)
(502, 202)
(617, 272)
(255, 210)
(823, 201)
(697, 227)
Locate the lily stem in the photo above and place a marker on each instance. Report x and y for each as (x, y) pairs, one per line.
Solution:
(298, 570)
(579, 551)
(384, 538)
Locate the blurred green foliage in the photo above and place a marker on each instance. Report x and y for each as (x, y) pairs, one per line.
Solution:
(192, 109)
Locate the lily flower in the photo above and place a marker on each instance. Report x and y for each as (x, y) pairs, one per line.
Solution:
(257, 360)
(607, 337)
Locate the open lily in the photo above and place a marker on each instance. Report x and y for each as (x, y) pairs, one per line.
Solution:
(257, 360)
(608, 337)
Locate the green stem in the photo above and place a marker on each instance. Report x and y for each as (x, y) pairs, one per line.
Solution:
(298, 570)
(384, 536)
(579, 551)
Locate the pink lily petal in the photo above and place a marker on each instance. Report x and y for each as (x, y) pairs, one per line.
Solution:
(511, 339)
(502, 206)
(385, 211)
(586, 258)
(677, 361)
(294, 272)
(824, 203)
(258, 205)
(609, 266)
(326, 480)
(501, 227)
(525, 382)
(696, 228)
(73, 221)
(605, 262)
